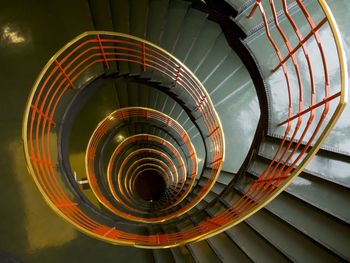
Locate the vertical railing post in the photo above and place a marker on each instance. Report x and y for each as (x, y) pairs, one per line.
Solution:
(102, 51)
(58, 64)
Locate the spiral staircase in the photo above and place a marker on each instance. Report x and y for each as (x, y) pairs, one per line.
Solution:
(175, 131)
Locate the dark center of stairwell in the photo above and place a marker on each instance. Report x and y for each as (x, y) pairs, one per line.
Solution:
(150, 186)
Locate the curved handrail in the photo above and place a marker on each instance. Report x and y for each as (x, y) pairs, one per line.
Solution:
(62, 74)
(277, 176)
(273, 181)
(126, 114)
(150, 138)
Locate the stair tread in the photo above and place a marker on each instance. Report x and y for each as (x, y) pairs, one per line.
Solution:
(203, 253)
(298, 246)
(192, 25)
(176, 13)
(227, 250)
(156, 19)
(255, 246)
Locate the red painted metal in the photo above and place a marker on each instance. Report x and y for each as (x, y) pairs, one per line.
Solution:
(101, 49)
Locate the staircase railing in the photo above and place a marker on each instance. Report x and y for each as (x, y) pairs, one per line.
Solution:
(309, 123)
(126, 115)
(87, 56)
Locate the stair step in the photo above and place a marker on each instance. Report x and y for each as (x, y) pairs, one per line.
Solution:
(215, 209)
(222, 70)
(313, 223)
(156, 19)
(213, 58)
(325, 165)
(254, 245)
(101, 15)
(227, 250)
(163, 255)
(297, 246)
(175, 16)
(203, 253)
(206, 39)
(192, 25)
(323, 192)
(240, 4)
(226, 177)
(138, 17)
(255, 23)
(120, 10)
(181, 254)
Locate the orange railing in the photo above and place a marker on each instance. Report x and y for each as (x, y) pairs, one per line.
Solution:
(55, 88)
(308, 126)
(277, 171)
(302, 126)
(116, 119)
(125, 188)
